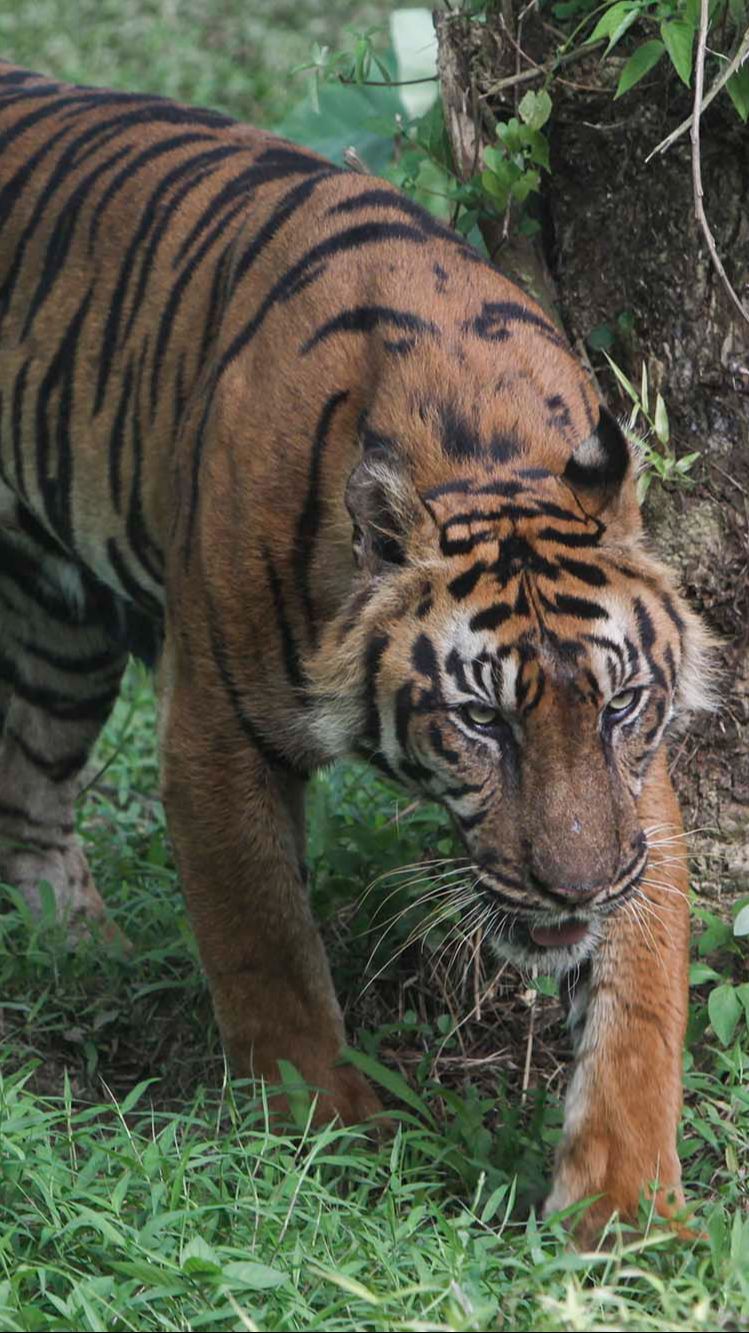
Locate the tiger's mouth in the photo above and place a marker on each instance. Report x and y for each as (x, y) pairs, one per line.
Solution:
(555, 938)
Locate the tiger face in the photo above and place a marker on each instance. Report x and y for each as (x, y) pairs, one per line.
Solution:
(520, 657)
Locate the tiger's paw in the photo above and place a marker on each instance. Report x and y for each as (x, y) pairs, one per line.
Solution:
(334, 1091)
(608, 1177)
(78, 905)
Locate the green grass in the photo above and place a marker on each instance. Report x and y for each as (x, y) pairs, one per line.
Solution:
(234, 55)
(139, 1187)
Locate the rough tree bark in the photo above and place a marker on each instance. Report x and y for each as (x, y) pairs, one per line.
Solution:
(619, 235)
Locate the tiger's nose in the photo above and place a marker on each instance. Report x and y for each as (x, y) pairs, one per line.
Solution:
(567, 893)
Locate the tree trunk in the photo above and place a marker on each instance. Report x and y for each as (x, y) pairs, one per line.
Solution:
(622, 249)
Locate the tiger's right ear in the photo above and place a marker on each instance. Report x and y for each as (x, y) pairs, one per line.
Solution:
(375, 499)
(599, 469)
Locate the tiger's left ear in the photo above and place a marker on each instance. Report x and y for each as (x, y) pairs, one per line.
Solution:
(602, 472)
(382, 505)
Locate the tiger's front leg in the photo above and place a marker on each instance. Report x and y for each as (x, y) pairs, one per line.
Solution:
(624, 1100)
(236, 820)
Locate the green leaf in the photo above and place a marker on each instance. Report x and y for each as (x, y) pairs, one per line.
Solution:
(742, 994)
(701, 972)
(510, 132)
(298, 1093)
(538, 145)
(737, 88)
(600, 338)
(387, 1078)
(678, 39)
(716, 935)
(534, 109)
(626, 384)
(639, 64)
(684, 464)
(525, 185)
(614, 16)
(661, 420)
(257, 1277)
(495, 187)
(495, 159)
(198, 1257)
(724, 1011)
(741, 922)
(611, 19)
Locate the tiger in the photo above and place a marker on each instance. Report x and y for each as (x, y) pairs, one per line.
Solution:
(272, 427)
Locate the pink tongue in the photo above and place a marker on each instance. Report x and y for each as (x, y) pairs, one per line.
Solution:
(548, 936)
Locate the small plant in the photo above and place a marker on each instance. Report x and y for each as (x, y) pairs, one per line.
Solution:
(659, 462)
(676, 23)
(728, 1001)
(512, 168)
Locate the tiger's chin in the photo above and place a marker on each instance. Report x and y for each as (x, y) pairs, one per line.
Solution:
(552, 946)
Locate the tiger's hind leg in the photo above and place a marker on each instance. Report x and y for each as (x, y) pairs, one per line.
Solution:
(60, 676)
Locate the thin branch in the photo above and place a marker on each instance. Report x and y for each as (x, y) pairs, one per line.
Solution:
(382, 83)
(735, 63)
(543, 71)
(699, 207)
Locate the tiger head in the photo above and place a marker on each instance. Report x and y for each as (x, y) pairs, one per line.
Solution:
(513, 652)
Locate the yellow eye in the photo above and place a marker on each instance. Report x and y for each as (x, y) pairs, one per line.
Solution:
(481, 714)
(621, 702)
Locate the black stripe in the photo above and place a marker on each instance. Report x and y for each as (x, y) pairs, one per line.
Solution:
(590, 574)
(580, 607)
(55, 472)
(366, 318)
(571, 538)
(492, 324)
(143, 546)
(382, 197)
(310, 518)
(19, 389)
(163, 225)
(154, 217)
(55, 770)
(131, 588)
(451, 757)
(645, 626)
(285, 209)
(289, 649)
(454, 667)
(403, 711)
(220, 652)
(261, 172)
(61, 238)
(376, 646)
(169, 313)
(491, 618)
(117, 438)
(312, 265)
(63, 707)
(136, 165)
(424, 660)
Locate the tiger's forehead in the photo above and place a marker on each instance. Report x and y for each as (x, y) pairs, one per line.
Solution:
(530, 592)
(529, 524)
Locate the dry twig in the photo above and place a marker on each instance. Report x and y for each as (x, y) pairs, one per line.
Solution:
(740, 55)
(699, 207)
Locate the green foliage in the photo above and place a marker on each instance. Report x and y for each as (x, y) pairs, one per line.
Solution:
(660, 461)
(676, 22)
(512, 169)
(229, 54)
(728, 1000)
